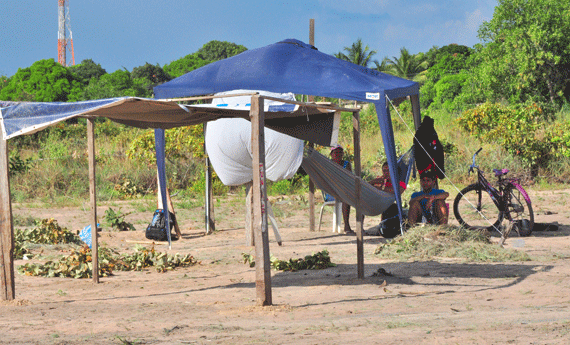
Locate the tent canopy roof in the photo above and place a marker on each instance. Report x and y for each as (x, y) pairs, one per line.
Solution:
(289, 66)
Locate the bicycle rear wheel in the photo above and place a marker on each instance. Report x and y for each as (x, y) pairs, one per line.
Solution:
(519, 210)
(474, 209)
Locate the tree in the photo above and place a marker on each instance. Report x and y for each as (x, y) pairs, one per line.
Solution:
(383, 66)
(154, 74)
(357, 54)
(116, 84)
(43, 81)
(526, 52)
(184, 65)
(406, 66)
(217, 50)
(86, 70)
(3, 81)
(451, 63)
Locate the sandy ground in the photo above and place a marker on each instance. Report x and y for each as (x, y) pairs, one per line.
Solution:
(440, 301)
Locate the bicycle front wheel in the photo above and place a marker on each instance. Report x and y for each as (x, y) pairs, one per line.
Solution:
(474, 209)
(519, 210)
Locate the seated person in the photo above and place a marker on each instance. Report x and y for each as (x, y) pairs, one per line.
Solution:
(383, 183)
(428, 202)
(337, 155)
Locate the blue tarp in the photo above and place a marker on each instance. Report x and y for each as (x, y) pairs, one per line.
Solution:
(18, 118)
(297, 67)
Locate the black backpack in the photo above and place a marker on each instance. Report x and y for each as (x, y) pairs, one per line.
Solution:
(156, 230)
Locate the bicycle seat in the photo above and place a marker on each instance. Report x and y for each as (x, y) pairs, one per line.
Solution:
(500, 172)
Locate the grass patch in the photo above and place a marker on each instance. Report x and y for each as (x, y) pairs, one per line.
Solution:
(423, 243)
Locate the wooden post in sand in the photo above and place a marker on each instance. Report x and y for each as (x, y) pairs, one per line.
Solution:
(358, 187)
(209, 207)
(93, 195)
(311, 145)
(260, 233)
(8, 287)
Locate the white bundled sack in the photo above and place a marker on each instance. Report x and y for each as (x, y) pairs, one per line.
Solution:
(228, 144)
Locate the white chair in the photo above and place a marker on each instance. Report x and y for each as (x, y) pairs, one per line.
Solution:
(337, 212)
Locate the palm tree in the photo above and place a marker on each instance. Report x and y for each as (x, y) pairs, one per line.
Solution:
(384, 66)
(406, 66)
(357, 54)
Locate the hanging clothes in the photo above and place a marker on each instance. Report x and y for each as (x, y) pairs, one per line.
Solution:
(428, 149)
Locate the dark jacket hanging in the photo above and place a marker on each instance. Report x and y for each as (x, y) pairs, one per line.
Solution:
(428, 149)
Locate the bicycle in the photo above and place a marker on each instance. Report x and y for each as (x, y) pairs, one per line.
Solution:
(482, 206)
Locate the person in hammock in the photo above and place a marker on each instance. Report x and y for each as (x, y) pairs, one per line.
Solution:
(337, 155)
(384, 183)
(429, 202)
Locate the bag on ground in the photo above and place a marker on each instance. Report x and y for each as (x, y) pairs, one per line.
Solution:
(156, 230)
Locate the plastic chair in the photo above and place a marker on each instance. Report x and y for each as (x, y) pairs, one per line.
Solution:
(337, 213)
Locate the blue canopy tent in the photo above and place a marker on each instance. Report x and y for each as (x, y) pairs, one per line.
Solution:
(294, 66)
(287, 66)
(297, 67)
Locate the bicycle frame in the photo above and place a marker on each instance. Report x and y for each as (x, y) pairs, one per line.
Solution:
(496, 195)
(501, 196)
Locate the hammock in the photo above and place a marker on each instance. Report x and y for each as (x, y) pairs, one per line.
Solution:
(340, 182)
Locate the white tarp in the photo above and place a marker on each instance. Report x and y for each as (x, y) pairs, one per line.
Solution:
(228, 144)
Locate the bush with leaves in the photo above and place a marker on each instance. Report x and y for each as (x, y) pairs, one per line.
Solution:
(219, 50)
(78, 264)
(47, 231)
(87, 70)
(317, 261)
(184, 65)
(44, 81)
(19, 165)
(116, 220)
(526, 132)
(20, 250)
(181, 143)
(116, 84)
(129, 190)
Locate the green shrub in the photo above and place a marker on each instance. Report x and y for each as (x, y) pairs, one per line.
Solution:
(526, 132)
(116, 220)
(47, 231)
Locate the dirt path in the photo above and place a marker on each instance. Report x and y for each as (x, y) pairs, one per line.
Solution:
(441, 301)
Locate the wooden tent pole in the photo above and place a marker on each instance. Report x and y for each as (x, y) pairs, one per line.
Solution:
(210, 222)
(358, 187)
(311, 200)
(93, 195)
(171, 209)
(6, 227)
(260, 233)
(311, 145)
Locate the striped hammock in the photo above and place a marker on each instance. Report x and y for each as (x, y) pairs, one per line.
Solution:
(341, 183)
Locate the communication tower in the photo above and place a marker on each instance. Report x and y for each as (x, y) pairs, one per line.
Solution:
(64, 43)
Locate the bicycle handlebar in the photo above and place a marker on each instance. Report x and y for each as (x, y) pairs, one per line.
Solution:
(474, 165)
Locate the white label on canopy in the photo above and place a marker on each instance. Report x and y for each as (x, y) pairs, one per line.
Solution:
(373, 96)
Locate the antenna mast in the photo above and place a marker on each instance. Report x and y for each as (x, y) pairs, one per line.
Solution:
(64, 43)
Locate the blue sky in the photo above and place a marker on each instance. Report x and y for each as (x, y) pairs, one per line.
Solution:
(129, 33)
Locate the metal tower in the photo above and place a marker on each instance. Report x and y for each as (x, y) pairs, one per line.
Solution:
(64, 43)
